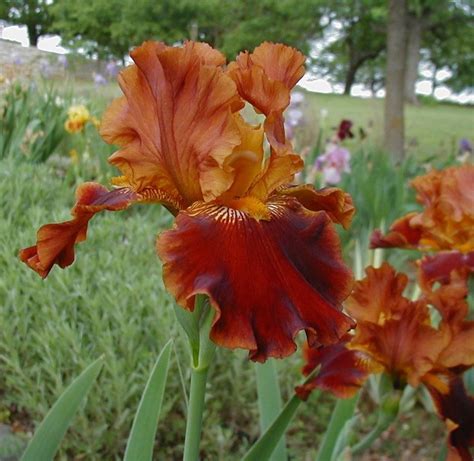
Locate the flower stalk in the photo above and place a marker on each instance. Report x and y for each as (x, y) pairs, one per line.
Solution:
(202, 352)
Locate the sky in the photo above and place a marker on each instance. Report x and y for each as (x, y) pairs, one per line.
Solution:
(308, 82)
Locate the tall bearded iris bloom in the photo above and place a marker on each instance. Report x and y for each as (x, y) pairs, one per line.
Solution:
(399, 336)
(265, 253)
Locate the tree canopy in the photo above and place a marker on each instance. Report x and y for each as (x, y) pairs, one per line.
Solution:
(350, 34)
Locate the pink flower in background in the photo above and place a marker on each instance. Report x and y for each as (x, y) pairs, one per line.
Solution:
(334, 162)
(294, 116)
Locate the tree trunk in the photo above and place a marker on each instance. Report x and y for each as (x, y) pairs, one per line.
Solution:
(434, 81)
(32, 34)
(350, 78)
(395, 80)
(414, 33)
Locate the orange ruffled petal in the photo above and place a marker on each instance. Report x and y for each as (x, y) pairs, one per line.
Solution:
(265, 78)
(343, 371)
(393, 330)
(175, 125)
(447, 220)
(443, 278)
(335, 202)
(266, 279)
(55, 242)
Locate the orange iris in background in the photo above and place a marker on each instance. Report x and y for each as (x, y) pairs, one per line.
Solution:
(400, 337)
(265, 253)
(447, 219)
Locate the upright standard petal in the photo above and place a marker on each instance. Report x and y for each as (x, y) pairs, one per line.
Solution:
(55, 242)
(267, 279)
(379, 296)
(343, 371)
(175, 125)
(265, 78)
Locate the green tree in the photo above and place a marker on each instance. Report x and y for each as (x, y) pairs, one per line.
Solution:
(359, 26)
(88, 26)
(247, 23)
(451, 46)
(34, 14)
(111, 27)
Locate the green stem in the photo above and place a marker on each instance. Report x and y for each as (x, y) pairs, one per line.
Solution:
(269, 402)
(388, 412)
(342, 412)
(266, 444)
(443, 453)
(368, 440)
(203, 350)
(195, 411)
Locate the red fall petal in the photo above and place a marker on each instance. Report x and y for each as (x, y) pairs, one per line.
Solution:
(401, 235)
(55, 242)
(456, 408)
(343, 371)
(267, 279)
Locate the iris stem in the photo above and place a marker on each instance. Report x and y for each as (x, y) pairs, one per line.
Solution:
(195, 411)
(203, 350)
(443, 453)
(388, 412)
(369, 439)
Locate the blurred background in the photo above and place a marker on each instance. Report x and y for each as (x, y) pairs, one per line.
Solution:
(388, 94)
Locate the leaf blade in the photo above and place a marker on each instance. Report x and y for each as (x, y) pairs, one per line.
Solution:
(51, 431)
(142, 436)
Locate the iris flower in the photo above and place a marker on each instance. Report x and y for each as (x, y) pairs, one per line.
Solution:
(266, 254)
(399, 336)
(446, 222)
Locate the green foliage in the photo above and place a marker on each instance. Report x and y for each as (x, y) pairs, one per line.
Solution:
(358, 53)
(142, 437)
(110, 28)
(249, 23)
(384, 195)
(31, 122)
(269, 402)
(361, 39)
(450, 44)
(49, 434)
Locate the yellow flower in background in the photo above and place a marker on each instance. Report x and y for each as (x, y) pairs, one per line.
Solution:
(74, 156)
(96, 122)
(78, 116)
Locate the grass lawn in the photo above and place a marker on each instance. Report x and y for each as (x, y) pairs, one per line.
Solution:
(431, 129)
